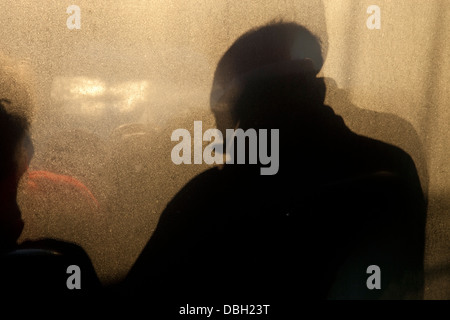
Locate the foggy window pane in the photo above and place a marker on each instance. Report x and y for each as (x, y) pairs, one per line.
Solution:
(107, 97)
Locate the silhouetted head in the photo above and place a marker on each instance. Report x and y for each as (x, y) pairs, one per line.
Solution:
(16, 106)
(17, 101)
(265, 68)
(15, 152)
(14, 133)
(16, 148)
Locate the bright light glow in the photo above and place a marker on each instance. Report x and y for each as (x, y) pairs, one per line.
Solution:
(65, 88)
(129, 93)
(92, 96)
(87, 87)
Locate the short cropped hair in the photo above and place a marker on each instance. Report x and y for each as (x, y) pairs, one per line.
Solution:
(272, 45)
(266, 45)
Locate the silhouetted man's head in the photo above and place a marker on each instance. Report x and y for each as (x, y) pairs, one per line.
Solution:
(276, 51)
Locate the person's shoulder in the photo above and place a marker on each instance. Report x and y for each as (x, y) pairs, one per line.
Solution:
(384, 157)
(216, 181)
(384, 152)
(43, 266)
(68, 252)
(53, 245)
(203, 183)
(65, 251)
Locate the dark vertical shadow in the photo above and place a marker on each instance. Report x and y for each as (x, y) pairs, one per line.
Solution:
(381, 126)
(437, 272)
(430, 115)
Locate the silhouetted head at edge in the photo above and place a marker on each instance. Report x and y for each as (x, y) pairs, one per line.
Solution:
(16, 150)
(268, 79)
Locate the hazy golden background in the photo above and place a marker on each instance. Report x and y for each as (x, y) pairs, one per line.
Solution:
(152, 62)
